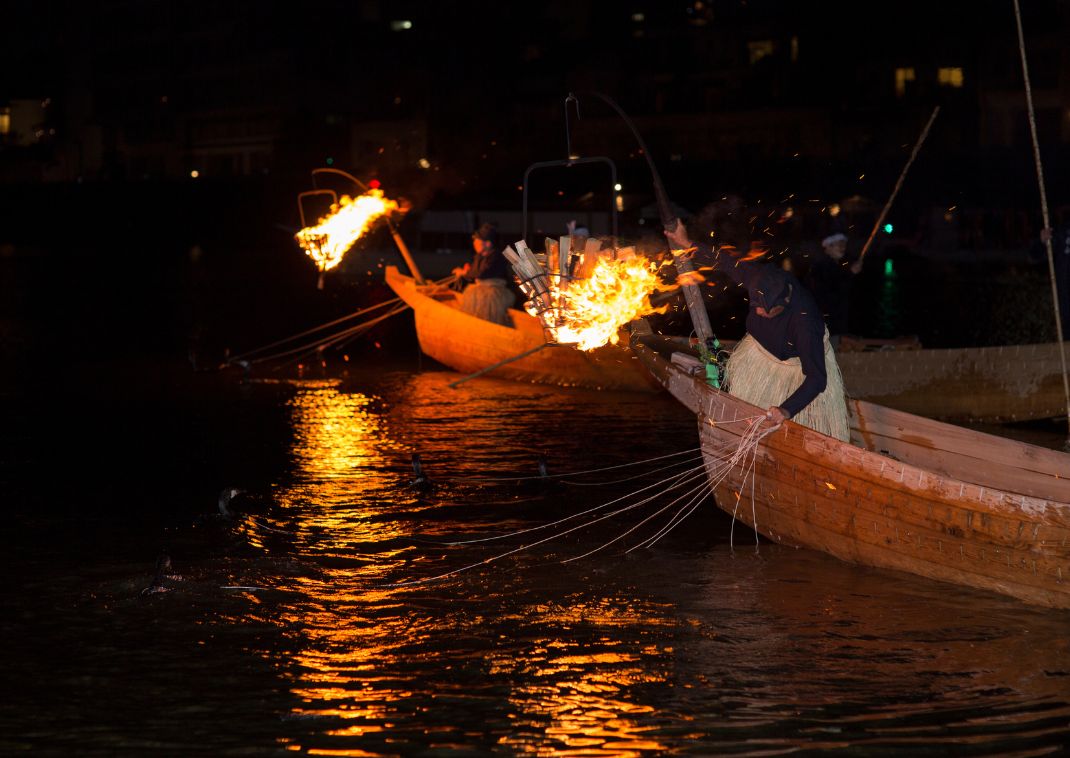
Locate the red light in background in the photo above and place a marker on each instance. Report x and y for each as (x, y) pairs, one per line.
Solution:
(374, 184)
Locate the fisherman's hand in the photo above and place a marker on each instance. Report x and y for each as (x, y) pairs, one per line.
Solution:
(776, 416)
(677, 236)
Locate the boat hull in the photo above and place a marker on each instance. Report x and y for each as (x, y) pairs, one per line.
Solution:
(903, 497)
(468, 344)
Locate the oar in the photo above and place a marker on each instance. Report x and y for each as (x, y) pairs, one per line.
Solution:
(898, 184)
(493, 366)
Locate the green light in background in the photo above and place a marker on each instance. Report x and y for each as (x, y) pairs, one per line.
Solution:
(330, 161)
(888, 228)
(889, 269)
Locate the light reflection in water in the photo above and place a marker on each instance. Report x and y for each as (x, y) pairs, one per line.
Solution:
(580, 695)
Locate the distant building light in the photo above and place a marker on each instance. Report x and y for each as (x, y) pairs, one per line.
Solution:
(638, 17)
(950, 76)
(794, 49)
(620, 203)
(194, 174)
(617, 187)
(888, 228)
(902, 76)
(834, 210)
(400, 26)
(759, 49)
(424, 163)
(5, 120)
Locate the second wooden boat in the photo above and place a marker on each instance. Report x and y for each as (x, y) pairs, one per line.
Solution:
(468, 344)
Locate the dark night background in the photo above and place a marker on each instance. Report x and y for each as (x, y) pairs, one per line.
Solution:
(109, 247)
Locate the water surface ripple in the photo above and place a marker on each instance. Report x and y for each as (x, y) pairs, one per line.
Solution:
(302, 625)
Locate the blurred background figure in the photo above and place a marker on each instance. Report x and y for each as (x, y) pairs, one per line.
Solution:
(830, 279)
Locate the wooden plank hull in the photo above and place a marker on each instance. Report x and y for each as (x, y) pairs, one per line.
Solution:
(911, 494)
(468, 344)
(983, 384)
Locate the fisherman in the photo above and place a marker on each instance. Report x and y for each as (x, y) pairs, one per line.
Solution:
(829, 280)
(785, 362)
(488, 295)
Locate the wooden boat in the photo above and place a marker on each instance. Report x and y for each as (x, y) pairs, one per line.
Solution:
(981, 384)
(907, 493)
(468, 344)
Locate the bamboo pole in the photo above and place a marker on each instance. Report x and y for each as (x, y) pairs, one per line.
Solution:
(404, 250)
(1044, 212)
(898, 184)
(493, 366)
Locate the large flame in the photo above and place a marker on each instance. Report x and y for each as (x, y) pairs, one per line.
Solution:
(335, 233)
(590, 312)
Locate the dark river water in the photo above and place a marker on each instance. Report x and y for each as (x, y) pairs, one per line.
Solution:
(310, 622)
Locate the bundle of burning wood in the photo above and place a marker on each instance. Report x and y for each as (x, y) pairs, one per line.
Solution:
(582, 295)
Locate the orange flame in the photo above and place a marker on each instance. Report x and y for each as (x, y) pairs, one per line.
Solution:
(335, 233)
(591, 311)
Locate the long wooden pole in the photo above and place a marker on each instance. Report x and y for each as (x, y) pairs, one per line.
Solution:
(493, 366)
(1044, 213)
(898, 184)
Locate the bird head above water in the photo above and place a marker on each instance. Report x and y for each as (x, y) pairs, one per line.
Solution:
(225, 497)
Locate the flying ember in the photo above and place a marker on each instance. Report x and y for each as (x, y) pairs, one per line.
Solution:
(335, 233)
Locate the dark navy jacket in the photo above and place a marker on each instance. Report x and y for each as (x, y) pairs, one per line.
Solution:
(798, 332)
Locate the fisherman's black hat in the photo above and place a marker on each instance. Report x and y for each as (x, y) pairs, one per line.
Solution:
(771, 288)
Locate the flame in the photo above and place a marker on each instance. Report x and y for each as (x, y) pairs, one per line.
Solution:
(335, 233)
(590, 312)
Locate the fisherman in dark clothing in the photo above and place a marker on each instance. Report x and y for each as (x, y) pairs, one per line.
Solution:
(487, 295)
(830, 280)
(785, 361)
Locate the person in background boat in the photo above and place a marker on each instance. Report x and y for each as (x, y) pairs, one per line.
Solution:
(487, 294)
(1060, 254)
(785, 361)
(829, 280)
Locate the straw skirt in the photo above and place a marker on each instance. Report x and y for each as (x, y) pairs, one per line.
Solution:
(754, 375)
(490, 300)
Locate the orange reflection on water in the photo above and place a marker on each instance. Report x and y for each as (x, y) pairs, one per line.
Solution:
(586, 690)
(339, 440)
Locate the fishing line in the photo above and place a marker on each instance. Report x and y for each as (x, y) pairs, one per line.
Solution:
(677, 476)
(702, 486)
(632, 478)
(573, 473)
(494, 558)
